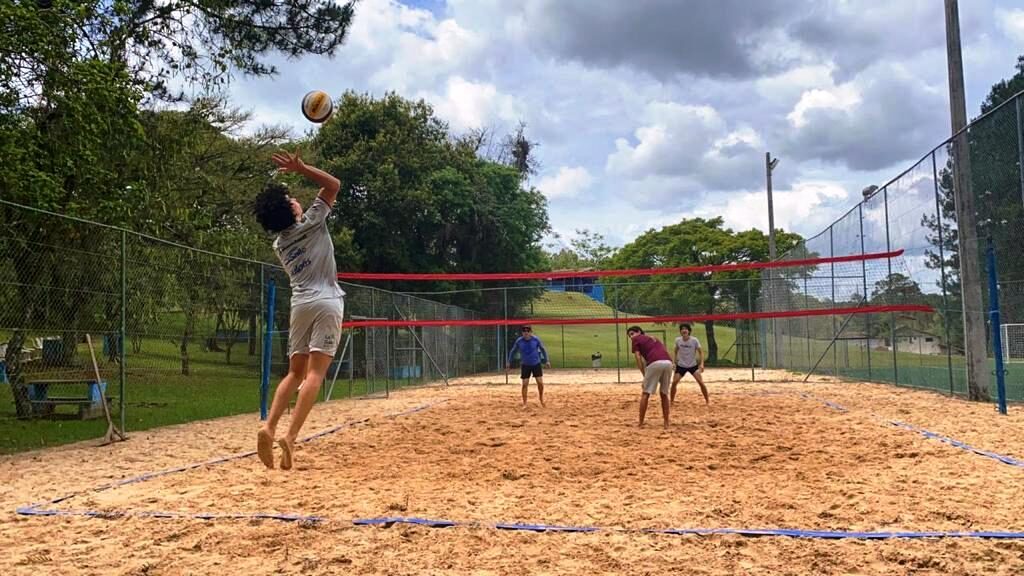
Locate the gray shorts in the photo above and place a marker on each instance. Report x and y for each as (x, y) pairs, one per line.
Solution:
(316, 326)
(658, 372)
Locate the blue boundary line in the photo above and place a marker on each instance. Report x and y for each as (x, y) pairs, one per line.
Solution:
(1009, 460)
(36, 509)
(389, 521)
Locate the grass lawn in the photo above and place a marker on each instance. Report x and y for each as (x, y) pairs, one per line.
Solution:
(156, 394)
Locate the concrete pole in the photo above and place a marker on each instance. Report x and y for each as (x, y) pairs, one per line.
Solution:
(966, 218)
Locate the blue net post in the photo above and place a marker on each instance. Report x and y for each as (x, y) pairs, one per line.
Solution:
(268, 349)
(997, 337)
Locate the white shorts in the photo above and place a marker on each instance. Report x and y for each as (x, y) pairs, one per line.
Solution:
(316, 326)
(658, 372)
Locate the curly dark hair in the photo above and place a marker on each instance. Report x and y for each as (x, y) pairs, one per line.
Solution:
(273, 209)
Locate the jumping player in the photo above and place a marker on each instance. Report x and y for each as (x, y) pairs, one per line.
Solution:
(689, 359)
(656, 366)
(305, 249)
(532, 356)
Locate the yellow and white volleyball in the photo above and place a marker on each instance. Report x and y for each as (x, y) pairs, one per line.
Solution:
(317, 106)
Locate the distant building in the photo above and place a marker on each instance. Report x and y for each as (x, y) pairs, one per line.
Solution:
(861, 341)
(918, 342)
(588, 285)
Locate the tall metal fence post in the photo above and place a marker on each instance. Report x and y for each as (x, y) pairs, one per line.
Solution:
(864, 277)
(751, 336)
(892, 315)
(807, 321)
(997, 343)
(832, 268)
(1020, 147)
(503, 334)
(268, 348)
(942, 272)
(618, 343)
(262, 320)
(122, 337)
(563, 346)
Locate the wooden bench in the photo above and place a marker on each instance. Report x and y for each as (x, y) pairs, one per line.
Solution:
(89, 404)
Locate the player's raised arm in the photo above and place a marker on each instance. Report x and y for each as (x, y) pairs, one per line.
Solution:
(329, 185)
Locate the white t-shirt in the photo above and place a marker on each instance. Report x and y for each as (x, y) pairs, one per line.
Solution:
(307, 254)
(686, 352)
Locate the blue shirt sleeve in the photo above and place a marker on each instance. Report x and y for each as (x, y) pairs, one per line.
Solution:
(512, 352)
(543, 352)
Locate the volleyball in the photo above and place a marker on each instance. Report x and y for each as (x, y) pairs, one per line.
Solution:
(317, 106)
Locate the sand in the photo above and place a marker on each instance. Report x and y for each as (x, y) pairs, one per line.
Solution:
(763, 455)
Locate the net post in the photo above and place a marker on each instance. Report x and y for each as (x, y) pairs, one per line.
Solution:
(997, 344)
(268, 345)
(121, 370)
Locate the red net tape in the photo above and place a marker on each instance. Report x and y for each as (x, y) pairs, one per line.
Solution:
(612, 273)
(644, 319)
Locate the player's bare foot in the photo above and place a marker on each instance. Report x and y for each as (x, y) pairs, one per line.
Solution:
(265, 447)
(287, 452)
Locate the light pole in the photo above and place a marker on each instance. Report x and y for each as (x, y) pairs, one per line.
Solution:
(975, 344)
(769, 165)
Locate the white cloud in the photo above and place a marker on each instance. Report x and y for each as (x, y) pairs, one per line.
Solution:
(799, 208)
(842, 98)
(789, 86)
(879, 118)
(466, 104)
(1011, 22)
(400, 47)
(686, 148)
(566, 183)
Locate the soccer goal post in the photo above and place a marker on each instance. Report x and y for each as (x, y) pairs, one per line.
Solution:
(1013, 342)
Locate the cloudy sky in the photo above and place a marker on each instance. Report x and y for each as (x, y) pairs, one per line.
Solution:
(653, 110)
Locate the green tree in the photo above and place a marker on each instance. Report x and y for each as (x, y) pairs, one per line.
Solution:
(995, 175)
(694, 242)
(587, 250)
(200, 181)
(72, 75)
(416, 200)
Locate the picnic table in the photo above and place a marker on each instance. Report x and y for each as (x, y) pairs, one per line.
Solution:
(89, 402)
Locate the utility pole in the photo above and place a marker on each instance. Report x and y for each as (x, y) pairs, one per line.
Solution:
(769, 165)
(966, 217)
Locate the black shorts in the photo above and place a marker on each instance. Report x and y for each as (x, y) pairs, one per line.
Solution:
(537, 371)
(682, 370)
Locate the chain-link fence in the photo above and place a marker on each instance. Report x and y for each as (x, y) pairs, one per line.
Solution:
(178, 334)
(917, 212)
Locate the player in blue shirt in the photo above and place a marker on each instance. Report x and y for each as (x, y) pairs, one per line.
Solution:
(532, 355)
